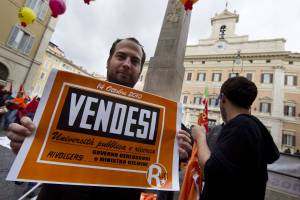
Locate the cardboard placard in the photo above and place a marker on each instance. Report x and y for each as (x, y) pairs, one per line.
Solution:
(92, 132)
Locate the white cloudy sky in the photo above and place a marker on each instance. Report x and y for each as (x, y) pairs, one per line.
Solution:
(85, 32)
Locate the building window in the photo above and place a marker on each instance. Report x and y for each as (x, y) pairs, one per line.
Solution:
(211, 123)
(267, 78)
(185, 99)
(231, 75)
(39, 6)
(291, 62)
(141, 78)
(216, 77)
(42, 75)
(203, 62)
(197, 100)
(290, 80)
(249, 76)
(265, 107)
(289, 111)
(268, 61)
(189, 76)
(288, 139)
(201, 77)
(250, 61)
(20, 40)
(213, 102)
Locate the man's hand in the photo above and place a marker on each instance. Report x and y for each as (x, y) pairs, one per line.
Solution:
(17, 133)
(199, 133)
(184, 142)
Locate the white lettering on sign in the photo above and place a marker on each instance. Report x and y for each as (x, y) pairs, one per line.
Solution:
(107, 115)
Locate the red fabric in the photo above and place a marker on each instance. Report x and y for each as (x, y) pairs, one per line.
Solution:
(188, 5)
(191, 188)
(32, 106)
(203, 117)
(20, 102)
(148, 196)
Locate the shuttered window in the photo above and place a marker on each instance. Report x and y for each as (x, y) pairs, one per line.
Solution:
(20, 40)
(265, 107)
(290, 80)
(185, 98)
(289, 140)
(189, 76)
(39, 6)
(197, 100)
(267, 78)
(289, 111)
(201, 76)
(216, 77)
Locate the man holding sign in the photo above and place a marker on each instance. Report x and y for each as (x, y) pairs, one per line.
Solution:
(124, 67)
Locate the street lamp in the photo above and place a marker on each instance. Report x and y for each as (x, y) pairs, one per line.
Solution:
(238, 61)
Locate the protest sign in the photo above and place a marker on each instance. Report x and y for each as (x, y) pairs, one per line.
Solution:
(92, 132)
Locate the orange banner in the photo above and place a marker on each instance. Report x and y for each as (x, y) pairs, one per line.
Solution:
(92, 132)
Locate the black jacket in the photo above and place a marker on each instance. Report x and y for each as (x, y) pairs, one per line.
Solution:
(237, 167)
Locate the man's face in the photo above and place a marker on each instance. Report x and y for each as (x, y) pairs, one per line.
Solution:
(124, 66)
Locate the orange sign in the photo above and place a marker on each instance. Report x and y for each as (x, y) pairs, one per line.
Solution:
(92, 132)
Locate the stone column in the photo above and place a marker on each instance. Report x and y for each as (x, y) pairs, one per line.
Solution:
(166, 71)
(277, 104)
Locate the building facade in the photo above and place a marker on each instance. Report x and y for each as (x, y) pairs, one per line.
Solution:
(54, 58)
(22, 48)
(225, 54)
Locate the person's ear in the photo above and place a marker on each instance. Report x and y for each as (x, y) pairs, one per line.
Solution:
(223, 99)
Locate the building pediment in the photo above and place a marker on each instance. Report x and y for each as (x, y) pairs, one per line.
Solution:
(225, 15)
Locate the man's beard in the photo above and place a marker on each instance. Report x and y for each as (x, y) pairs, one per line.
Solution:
(129, 83)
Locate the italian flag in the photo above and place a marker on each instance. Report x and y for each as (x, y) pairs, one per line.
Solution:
(203, 116)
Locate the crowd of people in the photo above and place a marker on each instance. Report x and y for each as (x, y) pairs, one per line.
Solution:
(12, 109)
(234, 161)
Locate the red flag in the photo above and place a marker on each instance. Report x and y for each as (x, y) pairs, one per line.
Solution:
(188, 4)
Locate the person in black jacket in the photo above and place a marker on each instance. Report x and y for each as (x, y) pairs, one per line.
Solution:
(124, 66)
(237, 167)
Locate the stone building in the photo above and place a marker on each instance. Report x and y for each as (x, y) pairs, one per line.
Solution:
(225, 54)
(22, 48)
(54, 58)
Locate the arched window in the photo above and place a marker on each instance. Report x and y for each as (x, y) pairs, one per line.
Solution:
(3, 72)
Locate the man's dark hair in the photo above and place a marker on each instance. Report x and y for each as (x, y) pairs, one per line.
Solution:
(113, 48)
(240, 91)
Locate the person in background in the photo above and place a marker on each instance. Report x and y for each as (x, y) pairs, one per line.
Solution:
(237, 166)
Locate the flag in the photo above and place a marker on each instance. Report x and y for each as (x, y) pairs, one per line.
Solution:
(188, 4)
(203, 116)
(192, 182)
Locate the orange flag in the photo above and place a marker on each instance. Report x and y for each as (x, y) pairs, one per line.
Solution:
(192, 183)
